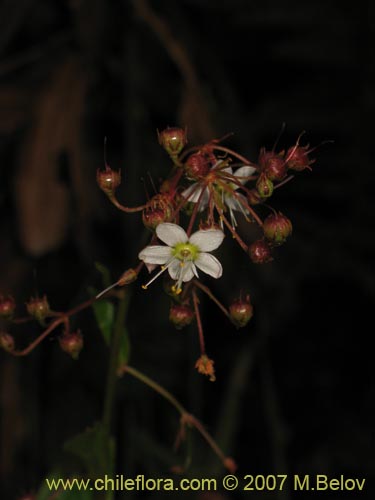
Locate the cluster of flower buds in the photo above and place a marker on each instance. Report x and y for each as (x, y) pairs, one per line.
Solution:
(209, 189)
(212, 186)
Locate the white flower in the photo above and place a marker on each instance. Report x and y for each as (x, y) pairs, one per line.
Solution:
(194, 192)
(183, 255)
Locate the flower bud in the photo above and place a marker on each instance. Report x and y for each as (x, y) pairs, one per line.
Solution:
(38, 308)
(277, 228)
(159, 209)
(127, 277)
(197, 166)
(253, 197)
(207, 225)
(273, 165)
(28, 496)
(297, 158)
(264, 186)
(108, 180)
(260, 252)
(6, 341)
(205, 366)
(181, 315)
(173, 140)
(72, 343)
(241, 311)
(7, 307)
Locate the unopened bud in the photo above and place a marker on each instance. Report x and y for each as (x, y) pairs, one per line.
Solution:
(260, 252)
(108, 180)
(273, 165)
(173, 140)
(277, 228)
(7, 307)
(297, 158)
(241, 311)
(181, 315)
(72, 343)
(197, 166)
(127, 277)
(38, 308)
(159, 209)
(6, 341)
(253, 197)
(264, 186)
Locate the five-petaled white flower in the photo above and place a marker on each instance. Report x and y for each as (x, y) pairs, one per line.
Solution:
(183, 255)
(234, 201)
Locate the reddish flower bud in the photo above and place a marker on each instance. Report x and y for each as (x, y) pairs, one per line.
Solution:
(71, 343)
(297, 158)
(159, 209)
(273, 165)
(241, 311)
(6, 341)
(206, 225)
(7, 307)
(38, 308)
(181, 315)
(108, 180)
(264, 186)
(253, 197)
(127, 277)
(277, 228)
(28, 496)
(197, 166)
(173, 140)
(205, 366)
(260, 252)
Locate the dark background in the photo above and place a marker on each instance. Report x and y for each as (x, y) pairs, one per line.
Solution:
(295, 389)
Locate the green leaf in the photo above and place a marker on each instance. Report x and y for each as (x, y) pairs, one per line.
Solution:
(95, 448)
(106, 275)
(104, 311)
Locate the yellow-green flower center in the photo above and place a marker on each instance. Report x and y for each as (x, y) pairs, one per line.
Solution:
(185, 251)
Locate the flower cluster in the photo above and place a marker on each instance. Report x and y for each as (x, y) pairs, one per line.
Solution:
(212, 191)
(210, 188)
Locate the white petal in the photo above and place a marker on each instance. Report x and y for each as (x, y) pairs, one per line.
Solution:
(227, 170)
(209, 265)
(244, 172)
(176, 270)
(171, 234)
(155, 254)
(192, 193)
(233, 203)
(150, 267)
(207, 240)
(188, 272)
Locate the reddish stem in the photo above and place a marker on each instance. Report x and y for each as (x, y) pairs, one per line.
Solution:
(123, 208)
(208, 292)
(199, 323)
